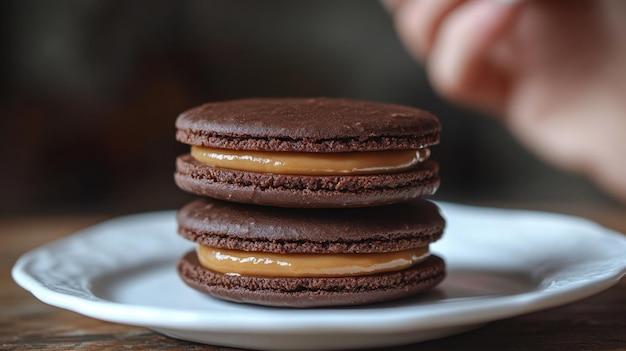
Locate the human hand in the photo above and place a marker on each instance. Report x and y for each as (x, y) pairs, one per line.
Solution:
(554, 70)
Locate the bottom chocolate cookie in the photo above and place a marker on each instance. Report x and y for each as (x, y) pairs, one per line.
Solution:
(312, 291)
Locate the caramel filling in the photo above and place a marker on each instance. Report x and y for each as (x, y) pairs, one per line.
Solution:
(309, 163)
(236, 262)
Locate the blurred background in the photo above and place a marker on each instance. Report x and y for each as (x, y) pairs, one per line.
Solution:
(89, 91)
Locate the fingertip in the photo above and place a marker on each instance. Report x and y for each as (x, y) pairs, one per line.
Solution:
(459, 64)
(410, 27)
(418, 21)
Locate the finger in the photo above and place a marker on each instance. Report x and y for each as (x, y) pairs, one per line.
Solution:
(461, 64)
(417, 21)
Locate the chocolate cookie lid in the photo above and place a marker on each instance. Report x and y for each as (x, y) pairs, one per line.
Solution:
(307, 125)
(287, 230)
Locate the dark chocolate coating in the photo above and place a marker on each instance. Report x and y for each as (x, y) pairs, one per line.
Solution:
(312, 292)
(305, 191)
(307, 125)
(288, 230)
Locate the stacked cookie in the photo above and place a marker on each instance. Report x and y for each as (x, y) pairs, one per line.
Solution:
(309, 202)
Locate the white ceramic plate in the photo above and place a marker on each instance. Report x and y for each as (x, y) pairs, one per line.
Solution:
(501, 263)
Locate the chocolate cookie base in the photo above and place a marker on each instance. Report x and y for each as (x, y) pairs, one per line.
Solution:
(312, 292)
(305, 191)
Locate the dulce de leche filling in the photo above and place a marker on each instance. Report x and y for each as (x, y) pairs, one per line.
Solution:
(236, 262)
(309, 163)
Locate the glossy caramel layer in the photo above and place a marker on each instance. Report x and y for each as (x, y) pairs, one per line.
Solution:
(235, 262)
(302, 163)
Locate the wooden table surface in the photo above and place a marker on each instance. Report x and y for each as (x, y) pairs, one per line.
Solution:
(596, 323)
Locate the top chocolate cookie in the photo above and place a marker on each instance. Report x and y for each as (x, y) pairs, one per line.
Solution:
(308, 152)
(307, 125)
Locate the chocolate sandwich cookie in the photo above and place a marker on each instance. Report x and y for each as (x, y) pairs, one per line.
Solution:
(308, 152)
(310, 257)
